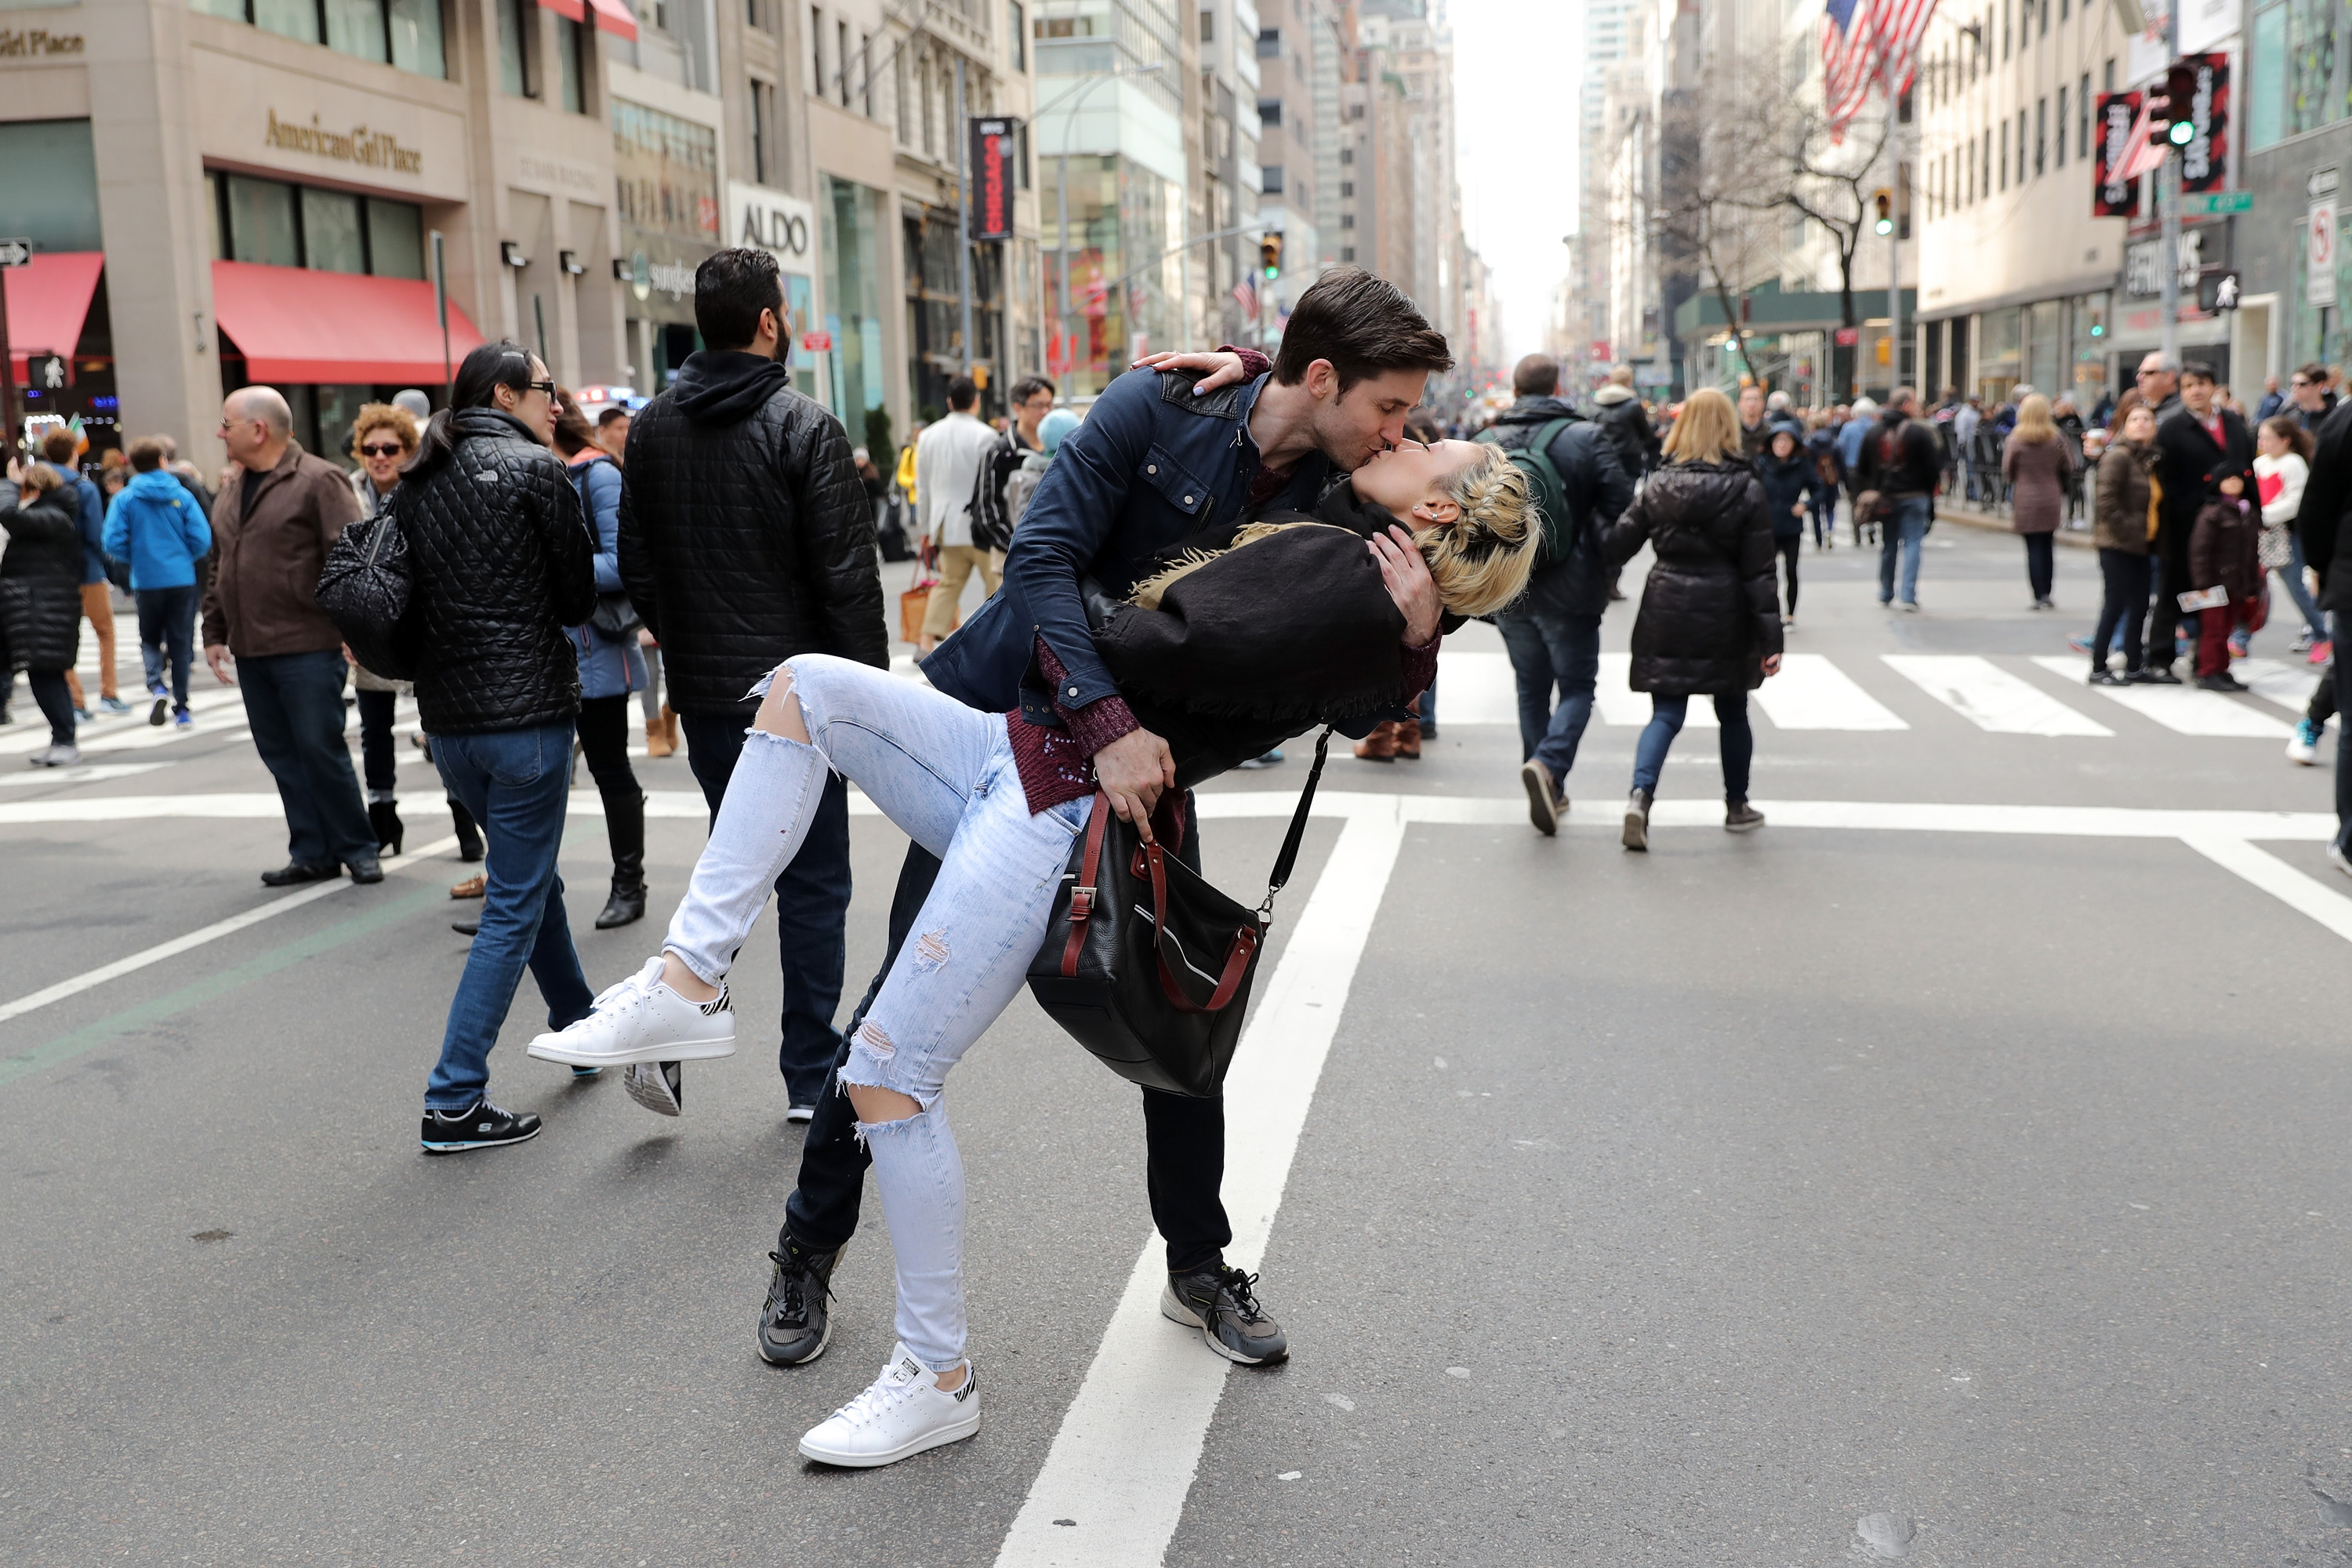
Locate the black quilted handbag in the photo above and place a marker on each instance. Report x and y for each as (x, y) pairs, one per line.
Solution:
(1146, 965)
(364, 589)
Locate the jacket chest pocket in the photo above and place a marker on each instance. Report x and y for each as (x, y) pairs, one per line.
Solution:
(1178, 484)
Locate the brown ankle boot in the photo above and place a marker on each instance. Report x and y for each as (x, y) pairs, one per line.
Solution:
(657, 739)
(1381, 745)
(1408, 743)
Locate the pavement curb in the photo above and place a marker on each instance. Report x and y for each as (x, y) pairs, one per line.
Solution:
(2080, 539)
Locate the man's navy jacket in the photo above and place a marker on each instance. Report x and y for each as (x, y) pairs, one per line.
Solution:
(1151, 464)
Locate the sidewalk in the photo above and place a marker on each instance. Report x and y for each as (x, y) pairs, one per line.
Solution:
(1947, 511)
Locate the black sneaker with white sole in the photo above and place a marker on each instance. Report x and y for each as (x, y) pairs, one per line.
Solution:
(480, 1125)
(794, 1325)
(1222, 1303)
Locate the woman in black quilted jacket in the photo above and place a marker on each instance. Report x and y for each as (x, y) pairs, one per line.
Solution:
(502, 563)
(1709, 624)
(40, 606)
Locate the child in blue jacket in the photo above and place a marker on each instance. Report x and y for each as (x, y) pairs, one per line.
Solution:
(156, 525)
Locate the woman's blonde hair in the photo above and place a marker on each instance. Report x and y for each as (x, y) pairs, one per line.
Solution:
(374, 416)
(1706, 431)
(2033, 422)
(1482, 562)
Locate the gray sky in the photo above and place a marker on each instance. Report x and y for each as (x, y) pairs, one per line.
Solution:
(1516, 65)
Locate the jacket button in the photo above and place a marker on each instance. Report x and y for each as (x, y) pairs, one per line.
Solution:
(1150, 468)
(1074, 691)
(1188, 500)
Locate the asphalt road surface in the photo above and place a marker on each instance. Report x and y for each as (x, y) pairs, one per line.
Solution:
(1955, 1170)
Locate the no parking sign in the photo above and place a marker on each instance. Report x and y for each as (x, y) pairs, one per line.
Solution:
(2319, 242)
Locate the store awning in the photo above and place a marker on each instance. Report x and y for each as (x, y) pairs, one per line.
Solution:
(615, 17)
(48, 299)
(569, 10)
(297, 325)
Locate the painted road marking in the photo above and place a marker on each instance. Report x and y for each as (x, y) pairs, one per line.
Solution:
(1118, 1495)
(2276, 680)
(1619, 703)
(35, 736)
(1811, 693)
(194, 938)
(96, 772)
(1476, 689)
(2181, 708)
(1990, 697)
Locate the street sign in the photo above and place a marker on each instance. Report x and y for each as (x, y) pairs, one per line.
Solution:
(2217, 204)
(817, 343)
(16, 252)
(48, 372)
(2319, 253)
(1848, 336)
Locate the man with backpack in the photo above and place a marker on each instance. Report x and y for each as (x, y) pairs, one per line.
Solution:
(1554, 632)
(992, 519)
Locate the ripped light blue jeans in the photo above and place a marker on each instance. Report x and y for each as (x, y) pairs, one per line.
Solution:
(945, 774)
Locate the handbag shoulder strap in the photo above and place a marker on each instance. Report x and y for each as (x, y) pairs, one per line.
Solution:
(1289, 858)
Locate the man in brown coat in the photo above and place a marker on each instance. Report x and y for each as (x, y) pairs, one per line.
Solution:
(272, 524)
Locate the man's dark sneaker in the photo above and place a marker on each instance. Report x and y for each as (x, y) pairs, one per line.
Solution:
(2221, 682)
(1222, 1304)
(480, 1125)
(295, 872)
(794, 1325)
(161, 711)
(365, 868)
(467, 928)
(2158, 674)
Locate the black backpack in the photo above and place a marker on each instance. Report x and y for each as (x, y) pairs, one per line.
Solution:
(1551, 489)
(365, 588)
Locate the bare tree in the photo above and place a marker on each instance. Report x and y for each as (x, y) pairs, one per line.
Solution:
(1829, 179)
(1723, 175)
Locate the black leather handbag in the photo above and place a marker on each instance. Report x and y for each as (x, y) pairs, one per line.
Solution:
(364, 589)
(1146, 963)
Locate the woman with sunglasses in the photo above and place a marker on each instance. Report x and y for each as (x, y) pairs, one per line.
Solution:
(502, 563)
(383, 438)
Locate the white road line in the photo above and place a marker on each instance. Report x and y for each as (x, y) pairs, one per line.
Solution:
(2276, 680)
(197, 938)
(1619, 703)
(2181, 708)
(1125, 1495)
(98, 773)
(1811, 693)
(36, 735)
(2306, 895)
(1990, 697)
(1476, 689)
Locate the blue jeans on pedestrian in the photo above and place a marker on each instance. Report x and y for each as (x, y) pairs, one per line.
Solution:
(295, 703)
(945, 776)
(167, 632)
(2292, 578)
(516, 784)
(812, 910)
(1906, 527)
(1666, 716)
(1552, 650)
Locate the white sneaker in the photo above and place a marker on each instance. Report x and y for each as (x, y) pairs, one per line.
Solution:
(905, 1412)
(642, 1020)
(659, 1087)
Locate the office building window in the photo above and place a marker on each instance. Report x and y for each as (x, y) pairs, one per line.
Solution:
(571, 64)
(764, 160)
(1017, 35)
(866, 71)
(841, 60)
(1270, 182)
(516, 19)
(666, 171)
(1269, 43)
(2040, 133)
(2020, 146)
(1269, 111)
(403, 32)
(2004, 155)
(816, 51)
(1346, 188)
(2061, 148)
(1208, 26)
(1346, 253)
(2083, 118)
(284, 224)
(754, 16)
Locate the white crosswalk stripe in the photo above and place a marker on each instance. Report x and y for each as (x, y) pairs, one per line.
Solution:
(1811, 693)
(1990, 697)
(2181, 708)
(2276, 680)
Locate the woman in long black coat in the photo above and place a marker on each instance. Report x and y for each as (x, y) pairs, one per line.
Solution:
(1709, 623)
(40, 605)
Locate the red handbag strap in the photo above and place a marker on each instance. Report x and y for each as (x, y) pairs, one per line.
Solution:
(1082, 897)
(1237, 954)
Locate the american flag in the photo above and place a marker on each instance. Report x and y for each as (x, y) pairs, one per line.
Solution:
(1864, 42)
(1246, 295)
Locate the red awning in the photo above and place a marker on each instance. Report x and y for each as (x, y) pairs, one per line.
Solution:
(615, 16)
(569, 10)
(294, 324)
(47, 299)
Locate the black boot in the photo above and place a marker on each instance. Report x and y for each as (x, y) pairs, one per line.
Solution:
(469, 838)
(627, 904)
(383, 816)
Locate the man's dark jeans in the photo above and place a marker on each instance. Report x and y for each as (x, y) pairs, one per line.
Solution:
(1184, 1138)
(812, 912)
(295, 702)
(1552, 649)
(167, 637)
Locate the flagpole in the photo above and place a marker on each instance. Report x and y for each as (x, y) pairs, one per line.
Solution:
(2167, 210)
(1895, 230)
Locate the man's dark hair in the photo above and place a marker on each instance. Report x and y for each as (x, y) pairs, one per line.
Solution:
(606, 419)
(2197, 370)
(1537, 375)
(2314, 372)
(1029, 386)
(146, 455)
(60, 445)
(1363, 325)
(962, 393)
(730, 289)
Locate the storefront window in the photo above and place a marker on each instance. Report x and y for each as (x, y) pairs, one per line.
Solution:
(2089, 370)
(395, 232)
(1115, 297)
(668, 171)
(2045, 348)
(514, 48)
(853, 301)
(569, 41)
(2001, 359)
(334, 239)
(281, 225)
(261, 224)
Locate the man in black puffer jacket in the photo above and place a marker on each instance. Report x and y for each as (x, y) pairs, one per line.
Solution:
(746, 539)
(1553, 633)
(502, 561)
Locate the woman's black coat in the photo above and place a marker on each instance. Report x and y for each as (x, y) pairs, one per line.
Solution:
(1710, 615)
(40, 587)
(1785, 485)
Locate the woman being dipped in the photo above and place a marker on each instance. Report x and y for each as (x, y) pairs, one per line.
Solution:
(1284, 624)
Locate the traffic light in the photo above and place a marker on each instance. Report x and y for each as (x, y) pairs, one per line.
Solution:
(1883, 200)
(2171, 113)
(1269, 255)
